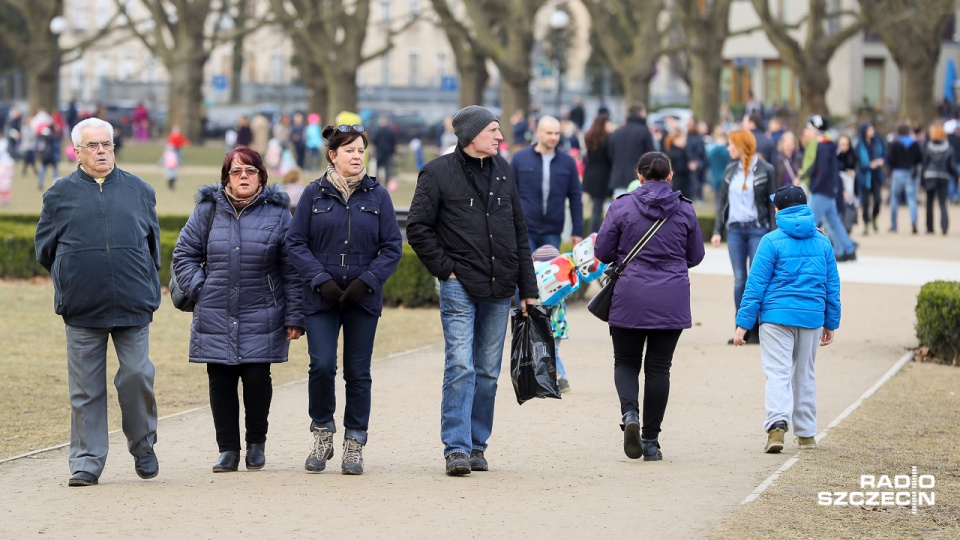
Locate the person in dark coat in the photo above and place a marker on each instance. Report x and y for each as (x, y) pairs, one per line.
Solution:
(675, 146)
(651, 301)
(870, 160)
(467, 228)
(247, 294)
(345, 243)
(244, 133)
(596, 173)
(765, 145)
(937, 172)
(627, 144)
(385, 143)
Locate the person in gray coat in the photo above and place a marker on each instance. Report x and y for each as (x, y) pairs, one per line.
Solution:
(99, 237)
(248, 296)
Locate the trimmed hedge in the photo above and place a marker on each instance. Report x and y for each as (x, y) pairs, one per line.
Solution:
(938, 320)
(411, 284)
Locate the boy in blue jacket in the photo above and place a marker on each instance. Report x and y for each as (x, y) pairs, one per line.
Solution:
(794, 290)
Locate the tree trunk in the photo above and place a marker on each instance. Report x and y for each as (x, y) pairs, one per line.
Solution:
(473, 78)
(512, 97)
(236, 66)
(705, 71)
(316, 85)
(186, 97)
(916, 101)
(813, 91)
(342, 92)
(42, 78)
(637, 89)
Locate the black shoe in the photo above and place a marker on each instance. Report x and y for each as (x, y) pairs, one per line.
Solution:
(458, 464)
(82, 479)
(914, 228)
(477, 461)
(255, 458)
(631, 435)
(228, 461)
(147, 466)
(651, 450)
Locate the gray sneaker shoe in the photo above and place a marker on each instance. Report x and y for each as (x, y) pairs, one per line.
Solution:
(321, 451)
(564, 385)
(458, 464)
(352, 457)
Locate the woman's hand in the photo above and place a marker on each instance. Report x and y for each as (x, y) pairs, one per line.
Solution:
(715, 240)
(294, 333)
(330, 292)
(355, 291)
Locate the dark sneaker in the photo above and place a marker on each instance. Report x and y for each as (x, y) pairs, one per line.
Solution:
(564, 385)
(775, 438)
(147, 466)
(82, 479)
(477, 461)
(631, 435)
(352, 463)
(320, 452)
(458, 464)
(651, 450)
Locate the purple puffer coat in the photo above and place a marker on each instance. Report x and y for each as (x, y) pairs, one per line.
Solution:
(653, 291)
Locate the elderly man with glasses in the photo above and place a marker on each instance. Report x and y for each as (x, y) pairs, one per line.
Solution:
(99, 237)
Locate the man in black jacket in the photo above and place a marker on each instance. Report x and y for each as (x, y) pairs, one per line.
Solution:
(627, 144)
(765, 145)
(467, 227)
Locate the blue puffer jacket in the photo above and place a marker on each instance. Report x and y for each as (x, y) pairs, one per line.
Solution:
(249, 293)
(564, 184)
(344, 240)
(793, 279)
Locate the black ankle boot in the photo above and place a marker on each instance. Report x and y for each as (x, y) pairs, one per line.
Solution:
(651, 450)
(255, 458)
(631, 435)
(229, 461)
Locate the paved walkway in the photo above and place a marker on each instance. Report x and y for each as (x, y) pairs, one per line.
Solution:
(557, 466)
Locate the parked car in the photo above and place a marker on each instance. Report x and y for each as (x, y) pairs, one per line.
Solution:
(407, 125)
(658, 117)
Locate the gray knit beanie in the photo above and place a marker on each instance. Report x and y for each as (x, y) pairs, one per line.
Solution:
(470, 121)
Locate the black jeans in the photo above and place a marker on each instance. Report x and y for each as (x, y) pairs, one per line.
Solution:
(628, 358)
(257, 394)
(940, 193)
(870, 200)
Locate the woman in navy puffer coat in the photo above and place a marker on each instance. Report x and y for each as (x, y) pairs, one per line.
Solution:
(248, 297)
(651, 301)
(345, 242)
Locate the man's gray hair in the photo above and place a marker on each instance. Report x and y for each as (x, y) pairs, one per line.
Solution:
(77, 138)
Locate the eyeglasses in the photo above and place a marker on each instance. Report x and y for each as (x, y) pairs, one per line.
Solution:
(93, 146)
(344, 128)
(251, 171)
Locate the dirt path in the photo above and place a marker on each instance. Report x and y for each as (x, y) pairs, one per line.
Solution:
(557, 468)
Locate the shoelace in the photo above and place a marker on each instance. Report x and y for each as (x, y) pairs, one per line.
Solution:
(351, 452)
(320, 444)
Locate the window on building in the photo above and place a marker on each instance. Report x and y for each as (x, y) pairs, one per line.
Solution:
(79, 12)
(737, 83)
(441, 63)
(277, 68)
(873, 87)
(384, 10)
(780, 85)
(414, 68)
(103, 11)
(385, 69)
(414, 8)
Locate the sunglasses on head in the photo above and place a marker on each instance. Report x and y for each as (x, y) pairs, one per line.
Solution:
(344, 128)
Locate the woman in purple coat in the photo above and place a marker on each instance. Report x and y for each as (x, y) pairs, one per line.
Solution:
(651, 301)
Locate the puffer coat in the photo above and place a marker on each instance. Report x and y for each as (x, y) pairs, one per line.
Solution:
(248, 293)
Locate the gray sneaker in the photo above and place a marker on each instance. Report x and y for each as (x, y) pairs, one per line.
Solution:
(320, 452)
(352, 457)
(458, 464)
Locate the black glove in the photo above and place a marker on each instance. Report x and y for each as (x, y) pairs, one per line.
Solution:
(355, 291)
(330, 292)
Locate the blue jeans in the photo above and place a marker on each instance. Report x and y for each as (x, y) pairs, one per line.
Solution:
(902, 185)
(825, 212)
(561, 371)
(537, 240)
(474, 330)
(742, 242)
(87, 378)
(359, 330)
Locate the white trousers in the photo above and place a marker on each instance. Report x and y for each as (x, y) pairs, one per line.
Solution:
(788, 354)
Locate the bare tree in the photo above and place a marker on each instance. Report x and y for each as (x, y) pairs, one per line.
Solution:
(631, 36)
(810, 59)
(912, 30)
(471, 63)
(237, 59)
(706, 26)
(25, 32)
(182, 34)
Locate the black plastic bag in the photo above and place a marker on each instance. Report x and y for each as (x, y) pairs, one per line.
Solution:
(533, 355)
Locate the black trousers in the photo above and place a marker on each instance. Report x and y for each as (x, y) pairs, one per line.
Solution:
(257, 394)
(939, 193)
(628, 358)
(870, 201)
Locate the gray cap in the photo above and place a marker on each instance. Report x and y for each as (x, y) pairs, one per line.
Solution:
(470, 121)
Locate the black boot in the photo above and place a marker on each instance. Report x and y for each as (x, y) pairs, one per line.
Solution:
(631, 435)
(228, 462)
(255, 458)
(651, 450)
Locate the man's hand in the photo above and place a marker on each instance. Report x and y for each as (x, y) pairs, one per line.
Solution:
(355, 291)
(526, 302)
(739, 335)
(330, 292)
(715, 240)
(826, 337)
(294, 333)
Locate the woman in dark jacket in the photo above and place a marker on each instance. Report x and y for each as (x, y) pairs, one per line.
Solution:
(656, 279)
(746, 210)
(870, 160)
(596, 173)
(937, 172)
(345, 243)
(234, 263)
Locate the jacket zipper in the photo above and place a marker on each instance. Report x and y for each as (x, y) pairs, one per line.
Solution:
(106, 241)
(273, 291)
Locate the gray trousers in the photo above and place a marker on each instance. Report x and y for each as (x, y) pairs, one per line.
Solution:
(788, 354)
(87, 367)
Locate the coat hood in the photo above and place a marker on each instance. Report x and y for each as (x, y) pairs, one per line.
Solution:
(272, 194)
(656, 200)
(938, 146)
(797, 221)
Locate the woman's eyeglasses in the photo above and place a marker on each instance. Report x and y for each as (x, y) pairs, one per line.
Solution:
(251, 171)
(344, 128)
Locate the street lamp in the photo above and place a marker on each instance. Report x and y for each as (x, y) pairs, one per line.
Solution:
(559, 20)
(58, 25)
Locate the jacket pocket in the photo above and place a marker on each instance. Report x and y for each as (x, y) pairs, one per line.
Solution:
(58, 292)
(367, 218)
(273, 290)
(321, 210)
